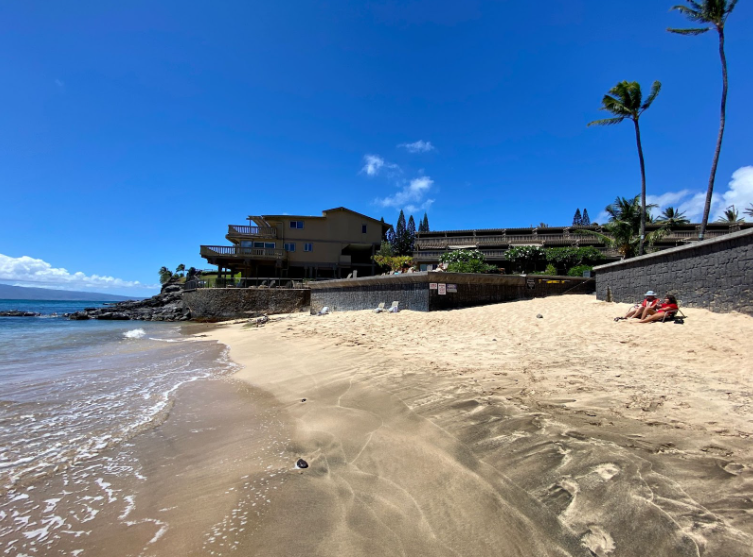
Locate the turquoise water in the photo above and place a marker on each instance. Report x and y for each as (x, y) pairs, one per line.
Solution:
(71, 391)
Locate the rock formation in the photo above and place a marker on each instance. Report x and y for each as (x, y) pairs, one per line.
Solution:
(166, 306)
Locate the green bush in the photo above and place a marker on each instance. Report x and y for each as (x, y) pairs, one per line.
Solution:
(578, 270)
(465, 261)
(526, 258)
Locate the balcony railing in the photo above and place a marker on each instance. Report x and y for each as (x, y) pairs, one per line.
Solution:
(238, 251)
(508, 240)
(237, 230)
(492, 254)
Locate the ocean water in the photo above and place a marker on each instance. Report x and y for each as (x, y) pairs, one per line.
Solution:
(74, 398)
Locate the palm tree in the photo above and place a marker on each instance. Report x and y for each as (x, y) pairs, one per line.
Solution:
(625, 101)
(165, 275)
(711, 13)
(731, 216)
(622, 232)
(672, 217)
(749, 210)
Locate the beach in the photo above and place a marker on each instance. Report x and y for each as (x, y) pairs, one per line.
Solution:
(492, 431)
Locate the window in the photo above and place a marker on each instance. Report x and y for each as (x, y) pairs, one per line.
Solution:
(308, 247)
(296, 224)
(363, 229)
(289, 246)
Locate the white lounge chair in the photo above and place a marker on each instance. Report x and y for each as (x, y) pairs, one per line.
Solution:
(394, 307)
(324, 311)
(380, 308)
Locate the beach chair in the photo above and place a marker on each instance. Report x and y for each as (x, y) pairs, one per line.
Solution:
(263, 284)
(350, 275)
(272, 284)
(380, 308)
(323, 311)
(394, 307)
(677, 316)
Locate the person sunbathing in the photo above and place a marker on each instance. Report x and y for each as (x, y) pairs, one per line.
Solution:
(637, 310)
(661, 311)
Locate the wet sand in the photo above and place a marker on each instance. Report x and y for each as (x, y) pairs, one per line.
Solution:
(487, 431)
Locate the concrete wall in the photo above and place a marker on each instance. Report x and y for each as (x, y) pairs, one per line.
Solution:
(714, 274)
(230, 303)
(414, 290)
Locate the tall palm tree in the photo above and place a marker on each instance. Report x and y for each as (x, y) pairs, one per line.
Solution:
(749, 210)
(710, 13)
(625, 101)
(672, 217)
(731, 216)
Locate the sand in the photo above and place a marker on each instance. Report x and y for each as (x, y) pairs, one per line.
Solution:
(489, 431)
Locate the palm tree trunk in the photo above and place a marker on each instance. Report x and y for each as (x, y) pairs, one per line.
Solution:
(643, 187)
(722, 119)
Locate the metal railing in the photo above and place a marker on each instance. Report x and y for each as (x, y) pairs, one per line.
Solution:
(238, 251)
(244, 230)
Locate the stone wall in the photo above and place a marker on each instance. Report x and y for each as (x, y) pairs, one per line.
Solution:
(715, 274)
(231, 303)
(421, 291)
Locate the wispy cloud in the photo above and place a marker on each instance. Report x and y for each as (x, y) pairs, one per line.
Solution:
(412, 195)
(419, 146)
(374, 164)
(27, 271)
(60, 83)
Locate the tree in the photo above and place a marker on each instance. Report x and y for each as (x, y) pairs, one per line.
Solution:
(525, 258)
(465, 261)
(731, 216)
(577, 219)
(585, 219)
(749, 210)
(623, 228)
(671, 217)
(165, 275)
(425, 223)
(399, 244)
(384, 233)
(625, 101)
(710, 13)
(394, 262)
(410, 233)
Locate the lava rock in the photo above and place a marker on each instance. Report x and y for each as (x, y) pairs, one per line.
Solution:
(302, 463)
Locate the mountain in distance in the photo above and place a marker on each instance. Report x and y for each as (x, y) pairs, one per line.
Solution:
(8, 292)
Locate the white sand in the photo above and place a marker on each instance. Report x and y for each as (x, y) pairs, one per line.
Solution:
(488, 431)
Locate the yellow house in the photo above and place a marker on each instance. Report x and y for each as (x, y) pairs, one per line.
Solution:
(333, 245)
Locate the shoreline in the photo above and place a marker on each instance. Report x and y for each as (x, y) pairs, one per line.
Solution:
(549, 436)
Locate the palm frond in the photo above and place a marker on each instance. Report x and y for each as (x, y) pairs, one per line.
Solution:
(691, 14)
(606, 122)
(731, 7)
(688, 31)
(655, 88)
(608, 240)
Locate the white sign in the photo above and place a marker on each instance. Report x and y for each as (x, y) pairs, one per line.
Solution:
(432, 286)
(452, 288)
(442, 289)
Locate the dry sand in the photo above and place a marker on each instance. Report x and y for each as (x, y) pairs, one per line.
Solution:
(489, 431)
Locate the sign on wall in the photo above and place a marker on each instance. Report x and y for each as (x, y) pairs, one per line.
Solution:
(530, 283)
(442, 289)
(452, 288)
(432, 286)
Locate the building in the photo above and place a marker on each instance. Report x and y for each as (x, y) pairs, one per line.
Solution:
(333, 245)
(493, 243)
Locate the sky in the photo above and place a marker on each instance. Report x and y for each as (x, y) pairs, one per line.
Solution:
(133, 132)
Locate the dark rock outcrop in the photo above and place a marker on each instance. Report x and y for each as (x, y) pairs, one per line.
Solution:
(18, 313)
(166, 306)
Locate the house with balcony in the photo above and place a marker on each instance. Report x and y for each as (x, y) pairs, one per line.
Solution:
(333, 245)
(495, 242)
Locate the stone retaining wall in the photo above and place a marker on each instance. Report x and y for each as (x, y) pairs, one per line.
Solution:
(422, 291)
(231, 303)
(715, 274)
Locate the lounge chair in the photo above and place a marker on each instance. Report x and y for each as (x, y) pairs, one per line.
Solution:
(272, 284)
(323, 311)
(380, 308)
(677, 316)
(394, 307)
(350, 275)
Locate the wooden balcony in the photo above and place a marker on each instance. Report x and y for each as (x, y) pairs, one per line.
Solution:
(214, 252)
(243, 231)
(470, 242)
(492, 255)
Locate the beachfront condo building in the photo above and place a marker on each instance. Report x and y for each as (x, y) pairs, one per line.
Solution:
(338, 243)
(495, 242)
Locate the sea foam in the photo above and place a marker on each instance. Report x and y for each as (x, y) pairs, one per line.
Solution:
(135, 333)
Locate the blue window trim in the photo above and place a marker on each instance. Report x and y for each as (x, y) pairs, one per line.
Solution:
(308, 246)
(289, 246)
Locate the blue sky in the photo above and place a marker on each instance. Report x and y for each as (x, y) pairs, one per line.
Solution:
(132, 132)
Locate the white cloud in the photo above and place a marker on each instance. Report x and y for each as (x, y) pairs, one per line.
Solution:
(411, 195)
(373, 165)
(60, 83)
(27, 271)
(740, 192)
(419, 146)
(667, 199)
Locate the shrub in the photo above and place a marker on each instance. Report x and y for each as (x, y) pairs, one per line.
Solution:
(578, 270)
(465, 261)
(525, 258)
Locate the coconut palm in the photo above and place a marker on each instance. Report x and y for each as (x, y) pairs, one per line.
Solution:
(672, 217)
(622, 232)
(165, 275)
(711, 13)
(731, 216)
(625, 101)
(749, 210)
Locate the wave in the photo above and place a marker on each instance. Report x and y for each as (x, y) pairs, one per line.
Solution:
(135, 333)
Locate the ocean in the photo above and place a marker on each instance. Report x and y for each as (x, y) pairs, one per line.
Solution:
(85, 440)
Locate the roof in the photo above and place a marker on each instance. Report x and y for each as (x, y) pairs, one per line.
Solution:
(323, 216)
